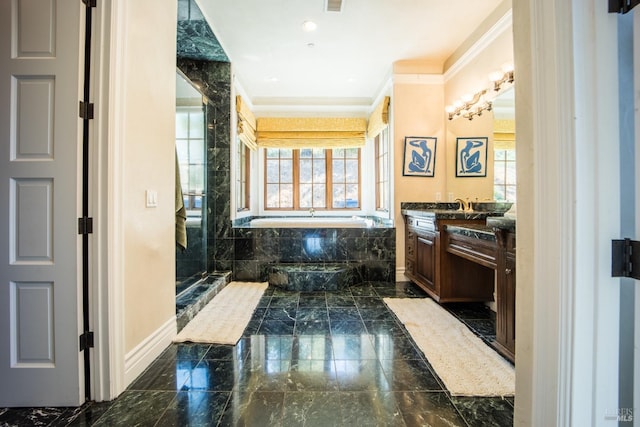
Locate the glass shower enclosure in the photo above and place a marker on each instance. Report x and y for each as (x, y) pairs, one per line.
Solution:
(191, 152)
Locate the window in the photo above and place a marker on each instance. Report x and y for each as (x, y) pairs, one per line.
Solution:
(243, 158)
(312, 178)
(504, 175)
(191, 156)
(381, 143)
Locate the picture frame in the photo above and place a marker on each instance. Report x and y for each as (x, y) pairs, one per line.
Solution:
(419, 156)
(471, 157)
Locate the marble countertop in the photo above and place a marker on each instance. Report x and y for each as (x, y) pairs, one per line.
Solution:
(448, 214)
(504, 222)
(476, 231)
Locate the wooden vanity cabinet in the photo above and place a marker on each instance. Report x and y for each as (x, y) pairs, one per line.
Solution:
(505, 341)
(426, 261)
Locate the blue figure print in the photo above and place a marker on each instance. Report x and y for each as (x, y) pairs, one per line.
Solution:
(470, 158)
(420, 162)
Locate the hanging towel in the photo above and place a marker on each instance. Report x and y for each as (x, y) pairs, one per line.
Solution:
(181, 212)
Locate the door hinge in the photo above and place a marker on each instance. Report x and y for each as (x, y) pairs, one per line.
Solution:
(85, 225)
(86, 341)
(86, 110)
(625, 258)
(622, 6)
(89, 3)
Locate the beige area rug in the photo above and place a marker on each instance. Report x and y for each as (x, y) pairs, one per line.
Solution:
(225, 317)
(466, 365)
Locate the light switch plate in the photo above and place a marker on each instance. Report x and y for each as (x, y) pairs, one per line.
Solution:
(152, 198)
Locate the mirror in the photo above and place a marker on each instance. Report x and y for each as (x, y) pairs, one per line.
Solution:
(498, 125)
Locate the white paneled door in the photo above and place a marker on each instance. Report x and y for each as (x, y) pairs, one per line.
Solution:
(40, 48)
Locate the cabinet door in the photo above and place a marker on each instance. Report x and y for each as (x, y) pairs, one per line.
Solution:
(510, 295)
(425, 259)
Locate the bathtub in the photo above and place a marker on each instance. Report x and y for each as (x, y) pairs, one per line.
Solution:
(312, 222)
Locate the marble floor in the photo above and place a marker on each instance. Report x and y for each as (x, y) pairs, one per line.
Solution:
(305, 359)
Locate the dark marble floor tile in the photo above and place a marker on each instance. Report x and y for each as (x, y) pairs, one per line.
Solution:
(340, 300)
(285, 299)
(361, 375)
(396, 347)
(252, 328)
(143, 408)
(211, 375)
(264, 301)
(203, 408)
(371, 408)
(312, 375)
(30, 416)
(281, 313)
(363, 291)
(312, 327)
(87, 415)
(275, 347)
(384, 327)
(312, 346)
(314, 299)
(185, 351)
(165, 374)
(276, 327)
(378, 313)
(347, 327)
(314, 409)
(483, 327)
(369, 303)
(306, 314)
(262, 375)
(353, 347)
(470, 310)
(343, 314)
(484, 411)
(410, 375)
(428, 409)
(254, 409)
(228, 352)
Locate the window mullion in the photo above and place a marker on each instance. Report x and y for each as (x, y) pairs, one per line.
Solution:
(329, 186)
(296, 179)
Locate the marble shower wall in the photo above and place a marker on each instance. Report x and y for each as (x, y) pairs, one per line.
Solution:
(214, 80)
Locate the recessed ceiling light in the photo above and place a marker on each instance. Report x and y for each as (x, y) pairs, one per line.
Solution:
(311, 45)
(271, 79)
(309, 26)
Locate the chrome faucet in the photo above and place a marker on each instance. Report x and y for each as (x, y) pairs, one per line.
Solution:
(465, 205)
(312, 212)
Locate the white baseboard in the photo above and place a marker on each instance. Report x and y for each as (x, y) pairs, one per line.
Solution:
(400, 277)
(138, 359)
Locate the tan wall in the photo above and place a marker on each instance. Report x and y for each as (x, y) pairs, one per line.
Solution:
(150, 62)
(418, 110)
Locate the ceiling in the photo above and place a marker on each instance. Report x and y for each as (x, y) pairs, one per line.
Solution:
(349, 57)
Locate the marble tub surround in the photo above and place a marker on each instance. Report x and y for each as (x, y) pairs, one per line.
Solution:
(324, 359)
(257, 249)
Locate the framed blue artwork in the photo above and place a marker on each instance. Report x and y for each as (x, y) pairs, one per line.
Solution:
(471, 157)
(419, 156)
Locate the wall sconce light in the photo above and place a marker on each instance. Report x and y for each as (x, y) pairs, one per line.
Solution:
(469, 106)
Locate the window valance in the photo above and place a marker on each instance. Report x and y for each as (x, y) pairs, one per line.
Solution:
(246, 124)
(504, 134)
(311, 132)
(379, 118)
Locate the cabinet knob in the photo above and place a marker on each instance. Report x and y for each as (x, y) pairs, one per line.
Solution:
(507, 271)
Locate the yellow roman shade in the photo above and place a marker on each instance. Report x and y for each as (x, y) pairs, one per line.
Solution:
(504, 134)
(379, 118)
(246, 124)
(311, 132)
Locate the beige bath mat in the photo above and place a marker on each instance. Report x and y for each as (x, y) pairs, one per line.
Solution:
(225, 317)
(466, 365)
